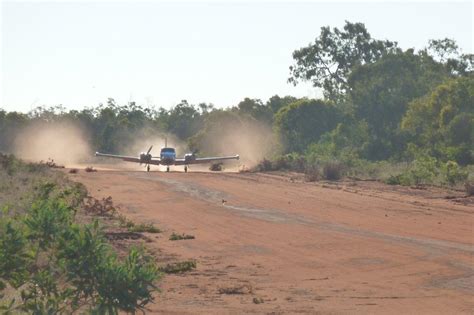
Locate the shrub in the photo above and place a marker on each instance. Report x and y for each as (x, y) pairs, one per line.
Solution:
(332, 170)
(265, 165)
(98, 276)
(216, 167)
(423, 170)
(452, 173)
(469, 189)
(46, 220)
(14, 255)
(312, 173)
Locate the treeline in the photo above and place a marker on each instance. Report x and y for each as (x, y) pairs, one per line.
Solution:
(381, 103)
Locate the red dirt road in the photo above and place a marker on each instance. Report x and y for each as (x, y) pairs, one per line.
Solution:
(354, 247)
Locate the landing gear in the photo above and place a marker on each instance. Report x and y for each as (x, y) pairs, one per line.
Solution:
(185, 168)
(167, 169)
(148, 168)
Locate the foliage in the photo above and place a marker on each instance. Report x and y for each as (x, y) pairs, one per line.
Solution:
(328, 61)
(422, 170)
(58, 266)
(447, 51)
(179, 267)
(15, 255)
(443, 121)
(304, 122)
(380, 94)
(453, 174)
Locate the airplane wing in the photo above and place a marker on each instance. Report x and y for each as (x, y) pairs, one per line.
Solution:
(128, 158)
(205, 160)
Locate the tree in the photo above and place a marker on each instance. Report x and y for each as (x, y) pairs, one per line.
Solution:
(380, 93)
(443, 121)
(276, 102)
(184, 120)
(255, 109)
(330, 59)
(302, 123)
(447, 52)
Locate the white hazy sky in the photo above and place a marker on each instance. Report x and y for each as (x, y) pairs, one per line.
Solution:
(158, 53)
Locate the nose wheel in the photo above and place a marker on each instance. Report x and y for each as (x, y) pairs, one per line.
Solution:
(185, 168)
(148, 168)
(167, 169)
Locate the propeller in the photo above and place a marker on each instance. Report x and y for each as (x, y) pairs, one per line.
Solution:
(148, 152)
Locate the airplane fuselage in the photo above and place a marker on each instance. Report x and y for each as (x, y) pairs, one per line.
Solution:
(168, 156)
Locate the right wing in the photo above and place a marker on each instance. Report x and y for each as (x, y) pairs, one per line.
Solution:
(205, 160)
(127, 158)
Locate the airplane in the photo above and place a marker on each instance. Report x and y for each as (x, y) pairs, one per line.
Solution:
(167, 157)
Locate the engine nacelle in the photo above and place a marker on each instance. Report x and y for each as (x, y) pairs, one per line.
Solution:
(189, 157)
(145, 158)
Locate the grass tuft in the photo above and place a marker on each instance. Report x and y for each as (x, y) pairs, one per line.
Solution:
(178, 237)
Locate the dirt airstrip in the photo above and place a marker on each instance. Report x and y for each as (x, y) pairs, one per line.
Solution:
(272, 243)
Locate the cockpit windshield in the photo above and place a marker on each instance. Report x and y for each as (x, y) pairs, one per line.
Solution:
(167, 150)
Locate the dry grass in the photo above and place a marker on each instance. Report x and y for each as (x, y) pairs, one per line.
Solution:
(241, 289)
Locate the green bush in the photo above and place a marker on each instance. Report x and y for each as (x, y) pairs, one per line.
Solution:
(453, 174)
(15, 256)
(333, 170)
(61, 267)
(423, 170)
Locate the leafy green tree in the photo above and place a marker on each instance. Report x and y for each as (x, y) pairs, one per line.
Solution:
(304, 121)
(443, 121)
(276, 102)
(328, 61)
(256, 109)
(184, 120)
(380, 93)
(447, 52)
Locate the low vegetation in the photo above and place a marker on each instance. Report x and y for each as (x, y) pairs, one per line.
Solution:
(240, 289)
(138, 228)
(177, 237)
(144, 227)
(179, 267)
(52, 264)
(216, 167)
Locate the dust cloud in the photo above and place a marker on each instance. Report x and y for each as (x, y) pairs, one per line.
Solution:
(65, 143)
(158, 140)
(252, 140)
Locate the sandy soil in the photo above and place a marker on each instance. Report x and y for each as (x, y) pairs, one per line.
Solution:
(350, 247)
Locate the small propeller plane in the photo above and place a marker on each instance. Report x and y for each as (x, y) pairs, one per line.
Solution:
(167, 157)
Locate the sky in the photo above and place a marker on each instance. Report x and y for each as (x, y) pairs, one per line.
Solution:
(157, 53)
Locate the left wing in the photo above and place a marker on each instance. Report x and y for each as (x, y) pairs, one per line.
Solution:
(128, 158)
(204, 160)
